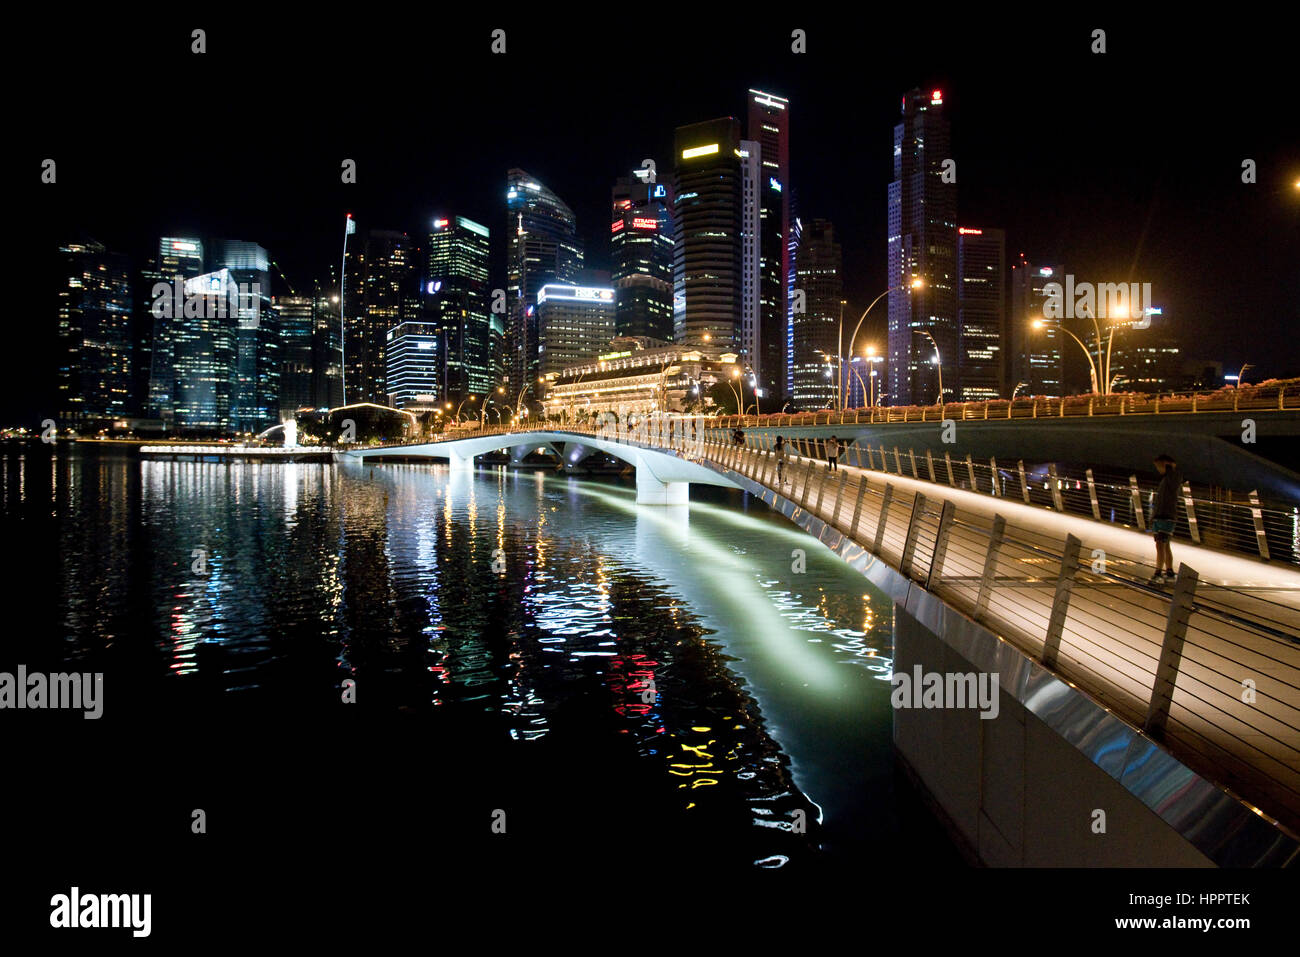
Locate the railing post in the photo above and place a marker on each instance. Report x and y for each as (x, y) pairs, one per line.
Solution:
(993, 476)
(1258, 516)
(898, 462)
(1171, 651)
(884, 517)
(821, 491)
(857, 508)
(970, 471)
(1024, 484)
(1138, 513)
(911, 454)
(1057, 503)
(947, 458)
(1061, 601)
(1035, 411)
(803, 498)
(1090, 405)
(913, 532)
(1191, 513)
(990, 566)
(940, 544)
(838, 496)
(929, 464)
(1092, 496)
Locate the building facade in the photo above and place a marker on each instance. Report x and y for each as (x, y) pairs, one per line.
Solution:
(819, 275)
(641, 243)
(922, 244)
(707, 260)
(414, 365)
(95, 320)
(457, 297)
(981, 313)
(1035, 342)
(769, 127)
(575, 324)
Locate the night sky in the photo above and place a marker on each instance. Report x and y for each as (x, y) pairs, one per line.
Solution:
(1123, 166)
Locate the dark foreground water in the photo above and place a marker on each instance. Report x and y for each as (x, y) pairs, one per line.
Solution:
(632, 687)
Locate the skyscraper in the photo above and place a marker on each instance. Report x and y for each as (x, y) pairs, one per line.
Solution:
(326, 352)
(94, 321)
(255, 404)
(981, 313)
(178, 259)
(456, 296)
(204, 355)
(297, 316)
(641, 241)
(751, 254)
(542, 246)
(707, 257)
(820, 274)
(382, 291)
(1035, 341)
(575, 323)
(922, 244)
(769, 126)
(413, 365)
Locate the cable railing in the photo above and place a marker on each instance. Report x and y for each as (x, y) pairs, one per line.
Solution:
(1211, 671)
(1276, 395)
(1268, 531)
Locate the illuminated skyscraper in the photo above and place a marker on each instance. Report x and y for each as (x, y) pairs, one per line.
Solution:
(922, 241)
(94, 317)
(382, 291)
(641, 240)
(204, 351)
(297, 315)
(769, 126)
(708, 267)
(542, 246)
(751, 254)
(413, 364)
(820, 274)
(575, 323)
(456, 297)
(178, 259)
(981, 313)
(256, 401)
(1035, 342)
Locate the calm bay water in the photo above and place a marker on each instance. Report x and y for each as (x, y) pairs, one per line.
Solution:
(540, 641)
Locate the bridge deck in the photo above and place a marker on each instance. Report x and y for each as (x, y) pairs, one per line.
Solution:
(1242, 627)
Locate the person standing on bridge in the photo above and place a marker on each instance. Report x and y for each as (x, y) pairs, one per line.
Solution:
(832, 454)
(779, 451)
(1164, 512)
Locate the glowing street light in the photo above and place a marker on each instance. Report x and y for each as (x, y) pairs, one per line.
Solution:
(916, 283)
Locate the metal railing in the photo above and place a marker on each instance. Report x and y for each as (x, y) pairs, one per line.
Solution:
(1211, 671)
(1243, 523)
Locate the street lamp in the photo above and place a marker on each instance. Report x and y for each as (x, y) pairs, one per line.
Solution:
(938, 360)
(735, 375)
(874, 359)
(1017, 389)
(916, 283)
(1092, 366)
(462, 405)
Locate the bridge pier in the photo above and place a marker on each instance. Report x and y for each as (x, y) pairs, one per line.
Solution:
(651, 491)
(460, 463)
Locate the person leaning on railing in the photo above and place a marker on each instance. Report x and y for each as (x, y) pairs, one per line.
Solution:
(1164, 512)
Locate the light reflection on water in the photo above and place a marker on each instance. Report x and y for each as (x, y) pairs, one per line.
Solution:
(753, 692)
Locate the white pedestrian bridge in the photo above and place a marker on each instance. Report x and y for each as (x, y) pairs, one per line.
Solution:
(1185, 698)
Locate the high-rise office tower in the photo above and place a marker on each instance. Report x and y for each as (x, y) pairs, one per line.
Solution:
(769, 126)
(792, 246)
(297, 315)
(922, 243)
(382, 291)
(820, 274)
(1035, 342)
(981, 313)
(178, 259)
(256, 401)
(326, 352)
(94, 322)
(751, 255)
(204, 355)
(542, 246)
(641, 241)
(575, 323)
(457, 302)
(414, 364)
(707, 266)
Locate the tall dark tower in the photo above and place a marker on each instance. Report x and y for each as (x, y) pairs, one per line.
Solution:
(641, 240)
(769, 126)
(922, 245)
(94, 318)
(382, 292)
(542, 246)
(820, 270)
(707, 261)
(981, 313)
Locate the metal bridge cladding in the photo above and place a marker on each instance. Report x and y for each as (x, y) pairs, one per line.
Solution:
(1207, 669)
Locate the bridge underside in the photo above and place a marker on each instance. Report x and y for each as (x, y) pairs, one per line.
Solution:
(662, 477)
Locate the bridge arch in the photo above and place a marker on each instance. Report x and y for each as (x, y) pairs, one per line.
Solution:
(663, 476)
